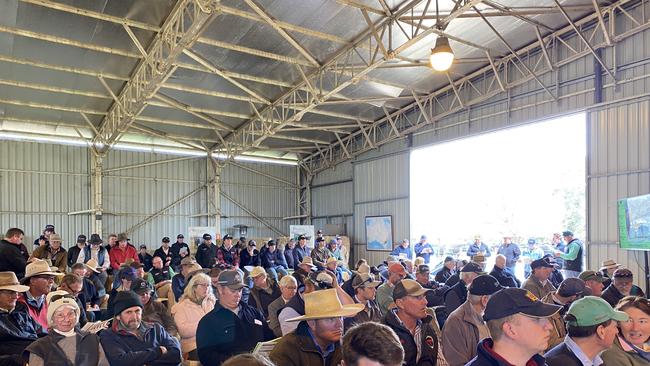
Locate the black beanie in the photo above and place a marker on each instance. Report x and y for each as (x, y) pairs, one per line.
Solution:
(125, 300)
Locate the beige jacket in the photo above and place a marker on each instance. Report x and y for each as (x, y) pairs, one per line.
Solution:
(533, 285)
(460, 335)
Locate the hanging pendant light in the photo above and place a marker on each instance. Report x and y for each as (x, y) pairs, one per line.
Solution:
(442, 56)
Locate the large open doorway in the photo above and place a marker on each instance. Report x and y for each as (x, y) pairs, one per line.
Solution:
(525, 182)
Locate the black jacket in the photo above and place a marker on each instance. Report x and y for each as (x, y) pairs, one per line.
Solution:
(288, 257)
(505, 277)
(11, 259)
(485, 357)
(165, 257)
(443, 275)
(73, 254)
(455, 296)
(17, 331)
(612, 295)
(246, 259)
(453, 279)
(222, 334)
(429, 347)
(176, 254)
(561, 355)
(206, 255)
(147, 261)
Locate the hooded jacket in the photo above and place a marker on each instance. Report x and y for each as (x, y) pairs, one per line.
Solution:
(429, 346)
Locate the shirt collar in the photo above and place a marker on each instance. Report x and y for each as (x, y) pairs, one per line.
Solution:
(577, 351)
(34, 300)
(327, 351)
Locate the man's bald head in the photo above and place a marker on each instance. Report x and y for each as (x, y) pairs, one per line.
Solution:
(500, 261)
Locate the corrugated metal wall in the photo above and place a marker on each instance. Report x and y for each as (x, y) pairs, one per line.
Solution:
(381, 187)
(132, 195)
(332, 197)
(39, 185)
(618, 167)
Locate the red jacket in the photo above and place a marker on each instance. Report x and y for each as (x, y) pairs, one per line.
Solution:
(119, 256)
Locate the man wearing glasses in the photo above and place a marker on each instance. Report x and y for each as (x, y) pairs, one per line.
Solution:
(40, 278)
(519, 327)
(17, 329)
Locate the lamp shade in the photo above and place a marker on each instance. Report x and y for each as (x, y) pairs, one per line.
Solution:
(442, 55)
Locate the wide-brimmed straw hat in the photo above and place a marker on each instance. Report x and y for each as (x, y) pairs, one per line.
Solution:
(9, 281)
(324, 304)
(39, 267)
(93, 265)
(609, 264)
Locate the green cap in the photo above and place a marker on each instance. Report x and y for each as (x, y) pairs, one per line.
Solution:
(592, 310)
(591, 276)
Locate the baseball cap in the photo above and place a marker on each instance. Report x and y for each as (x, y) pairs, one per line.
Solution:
(81, 238)
(567, 233)
(49, 227)
(592, 276)
(622, 273)
(231, 279)
(408, 288)
(532, 241)
(227, 236)
(165, 239)
(364, 280)
(397, 268)
(252, 243)
(484, 285)
(542, 262)
(143, 246)
(472, 267)
(180, 236)
(592, 310)
(207, 237)
(301, 237)
(271, 242)
(571, 287)
(141, 287)
(333, 241)
(512, 300)
(319, 239)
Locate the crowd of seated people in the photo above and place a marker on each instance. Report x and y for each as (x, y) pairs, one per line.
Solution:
(96, 305)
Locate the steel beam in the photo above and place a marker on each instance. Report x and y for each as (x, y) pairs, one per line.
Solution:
(280, 113)
(181, 29)
(439, 104)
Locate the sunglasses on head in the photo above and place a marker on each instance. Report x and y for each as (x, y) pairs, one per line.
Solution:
(58, 297)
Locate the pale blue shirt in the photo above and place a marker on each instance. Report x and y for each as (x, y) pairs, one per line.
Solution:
(577, 351)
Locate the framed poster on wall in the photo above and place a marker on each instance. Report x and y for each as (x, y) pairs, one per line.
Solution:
(379, 233)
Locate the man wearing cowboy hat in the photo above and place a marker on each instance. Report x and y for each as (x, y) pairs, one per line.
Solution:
(122, 251)
(17, 328)
(53, 253)
(316, 341)
(97, 252)
(11, 258)
(412, 324)
(39, 276)
(233, 326)
(607, 270)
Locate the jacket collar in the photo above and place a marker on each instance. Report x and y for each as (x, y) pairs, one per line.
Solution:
(306, 340)
(485, 352)
(469, 315)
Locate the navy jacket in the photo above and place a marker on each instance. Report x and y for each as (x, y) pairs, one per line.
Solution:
(126, 349)
(17, 331)
(455, 296)
(273, 259)
(485, 356)
(222, 334)
(206, 255)
(288, 257)
(245, 259)
(298, 254)
(561, 355)
(505, 277)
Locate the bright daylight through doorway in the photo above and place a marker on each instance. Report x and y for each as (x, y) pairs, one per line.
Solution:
(528, 182)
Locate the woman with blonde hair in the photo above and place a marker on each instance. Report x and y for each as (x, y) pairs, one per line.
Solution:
(631, 346)
(198, 299)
